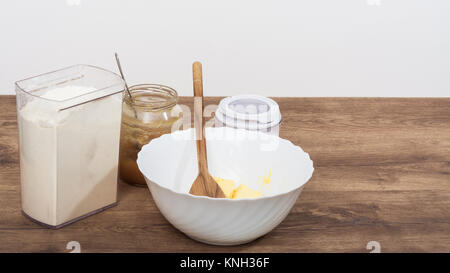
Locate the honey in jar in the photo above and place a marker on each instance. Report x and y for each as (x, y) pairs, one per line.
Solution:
(151, 112)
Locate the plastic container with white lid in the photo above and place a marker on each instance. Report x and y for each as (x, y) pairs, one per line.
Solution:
(251, 112)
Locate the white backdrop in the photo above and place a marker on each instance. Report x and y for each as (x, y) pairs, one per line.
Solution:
(274, 48)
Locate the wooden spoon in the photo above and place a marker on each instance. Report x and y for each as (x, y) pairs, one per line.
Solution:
(204, 184)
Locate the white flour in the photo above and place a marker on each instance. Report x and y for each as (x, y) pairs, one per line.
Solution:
(69, 158)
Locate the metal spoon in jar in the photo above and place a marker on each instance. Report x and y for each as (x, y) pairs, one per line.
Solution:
(126, 85)
(121, 74)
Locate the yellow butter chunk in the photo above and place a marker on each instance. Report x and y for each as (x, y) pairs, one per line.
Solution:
(266, 180)
(226, 185)
(244, 191)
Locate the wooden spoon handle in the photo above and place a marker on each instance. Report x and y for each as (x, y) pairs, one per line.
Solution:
(198, 80)
(198, 118)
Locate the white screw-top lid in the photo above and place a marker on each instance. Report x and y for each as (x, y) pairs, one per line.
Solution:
(248, 112)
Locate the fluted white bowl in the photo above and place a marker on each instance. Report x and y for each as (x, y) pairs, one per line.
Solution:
(169, 165)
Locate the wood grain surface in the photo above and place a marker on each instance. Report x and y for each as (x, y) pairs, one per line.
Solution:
(382, 173)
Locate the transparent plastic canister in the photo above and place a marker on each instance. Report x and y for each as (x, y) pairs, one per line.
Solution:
(69, 132)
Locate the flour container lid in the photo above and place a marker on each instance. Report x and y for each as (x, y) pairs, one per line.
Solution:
(92, 82)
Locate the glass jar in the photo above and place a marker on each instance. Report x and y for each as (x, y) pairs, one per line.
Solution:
(152, 112)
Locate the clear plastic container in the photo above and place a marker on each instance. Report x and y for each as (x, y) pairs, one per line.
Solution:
(69, 132)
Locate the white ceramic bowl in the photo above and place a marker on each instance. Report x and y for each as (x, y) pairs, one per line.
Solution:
(169, 164)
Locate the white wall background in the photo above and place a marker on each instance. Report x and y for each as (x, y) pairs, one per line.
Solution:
(274, 48)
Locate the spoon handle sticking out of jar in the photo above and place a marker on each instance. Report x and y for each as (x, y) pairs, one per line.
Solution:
(123, 78)
(126, 85)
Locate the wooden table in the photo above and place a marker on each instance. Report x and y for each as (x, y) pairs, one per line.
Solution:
(382, 173)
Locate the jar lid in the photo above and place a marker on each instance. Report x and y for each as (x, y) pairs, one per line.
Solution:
(249, 112)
